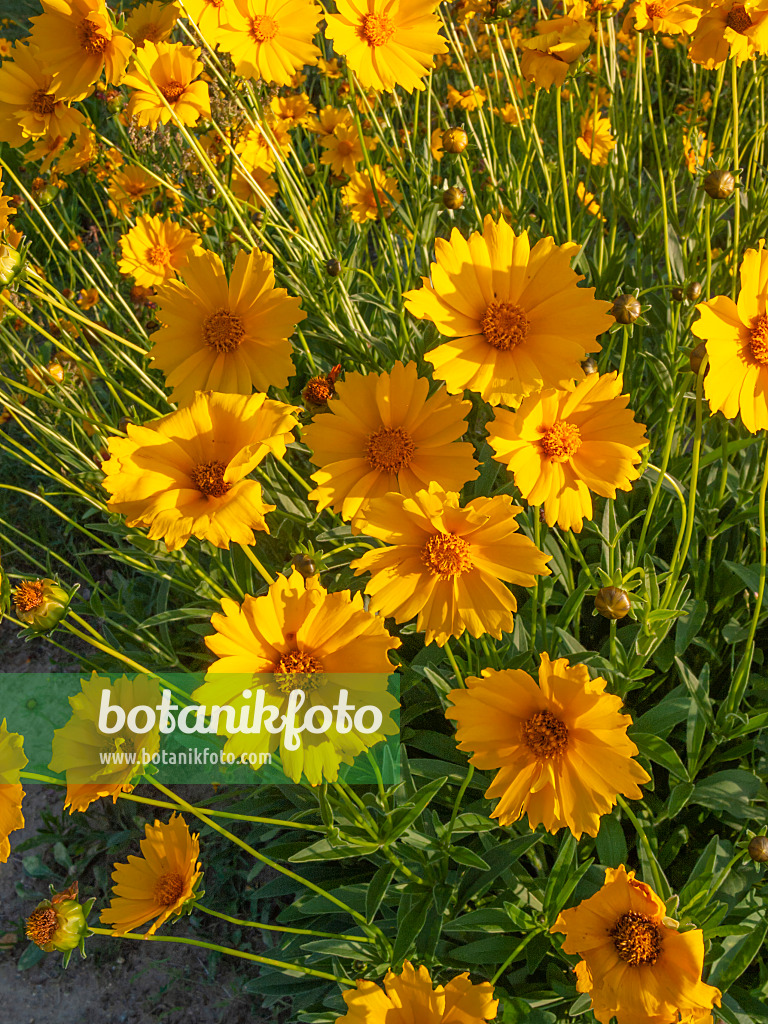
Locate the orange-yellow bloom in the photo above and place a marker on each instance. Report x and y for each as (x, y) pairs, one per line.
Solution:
(547, 57)
(29, 105)
(172, 69)
(366, 198)
(154, 249)
(269, 39)
(12, 760)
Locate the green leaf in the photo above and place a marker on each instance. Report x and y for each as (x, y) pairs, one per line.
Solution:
(659, 751)
(738, 952)
(489, 919)
(376, 890)
(403, 817)
(324, 849)
(492, 950)
(409, 927)
(32, 955)
(732, 791)
(611, 843)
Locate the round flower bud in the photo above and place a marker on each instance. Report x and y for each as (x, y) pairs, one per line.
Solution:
(677, 294)
(40, 604)
(455, 140)
(55, 370)
(333, 268)
(305, 565)
(719, 184)
(453, 198)
(696, 356)
(693, 291)
(613, 603)
(57, 924)
(589, 366)
(309, 170)
(626, 309)
(11, 263)
(758, 849)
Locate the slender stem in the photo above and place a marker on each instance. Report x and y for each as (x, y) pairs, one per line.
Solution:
(454, 666)
(278, 928)
(257, 564)
(561, 157)
(737, 188)
(660, 884)
(214, 814)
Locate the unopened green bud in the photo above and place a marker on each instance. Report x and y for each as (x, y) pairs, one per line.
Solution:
(40, 604)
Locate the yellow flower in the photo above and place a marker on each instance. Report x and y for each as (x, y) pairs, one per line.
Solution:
(229, 337)
(29, 105)
(88, 298)
(78, 42)
(40, 604)
(343, 151)
(729, 28)
(469, 99)
(12, 760)
(384, 434)
(208, 15)
(736, 334)
(264, 145)
(547, 57)
(361, 194)
(669, 16)
(511, 114)
(82, 153)
(126, 187)
(298, 636)
(184, 475)
(409, 998)
(59, 923)
(436, 143)
(516, 316)
(561, 746)
(328, 119)
(79, 748)
(596, 141)
(154, 249)
(292, 111)
(151, 22)
(561, 445)
(387, 44)
(589, 200)
(171, 68)
(160, 883)
(270, 39)
(243, 189)
(446, 564)
(6, 210)
(696, 154)
(636, 964)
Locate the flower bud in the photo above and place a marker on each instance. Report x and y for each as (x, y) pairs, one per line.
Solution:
(11, 262)
(58, 923)
(758, 849)
(677, 294)
(333, 268)
(56, 371)
(693, 291)
(453, 198)
(309, 170)
(305, 565)
(613, 603)
(40, 604)
(719, 184)
(455, 140)
(696, 356)
(589, 366)
(626, 309)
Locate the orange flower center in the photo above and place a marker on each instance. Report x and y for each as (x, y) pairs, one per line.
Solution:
(43, 102)
(318, 390)
(168, 888)
(28, 595)
(655, 10)
(505, 325)
(172, 90)
(223, 331)
(446, 555)
(159, 255)
(637, 939)
(91, 40)
(148, 34)
(758, 339)
(41, 925)
(344, 148)
(545, 735)
(376, 29)
(208, 478)
(738, 19)
(390, 448)
(298, 670)
(561, 441)
(263, 28)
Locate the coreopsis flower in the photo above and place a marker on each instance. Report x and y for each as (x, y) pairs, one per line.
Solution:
(172, 69)
(561, 745)
(60, 922)
(696, 150)
(160, 883)
(671, 17)
(298, 636)
(152, 22)
(154, 250)
(225, 336)
(78, 42)
(361, 194)
(260, 148)
(292, 111)
(596, 141)
(330, 118)
(636, 965)
(269, 39)
(589, 200)
(80, 749)
(385, 43)
(729, 28)
(12, 760)
(126, 187)
(6, 209)
(82, 153)
(29, 106)
(342, 150)
(254, 189)
(446, 564)
(548, 56)
(184, 475)
(468, 99)
(736, 336)
(385, 434)
(504, 307)
(208, 16)
(410, 997)
(40, 604)
(561, 445)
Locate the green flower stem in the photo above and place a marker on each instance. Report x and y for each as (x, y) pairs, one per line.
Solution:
(452, 658)
(246, 548)
(267, 961)
(737, 187)
(561, 159)
(515, 953)
(662, 889)
(662, 470)
(217, 814)
(191, 809)
(278, 928)
(459, 798)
